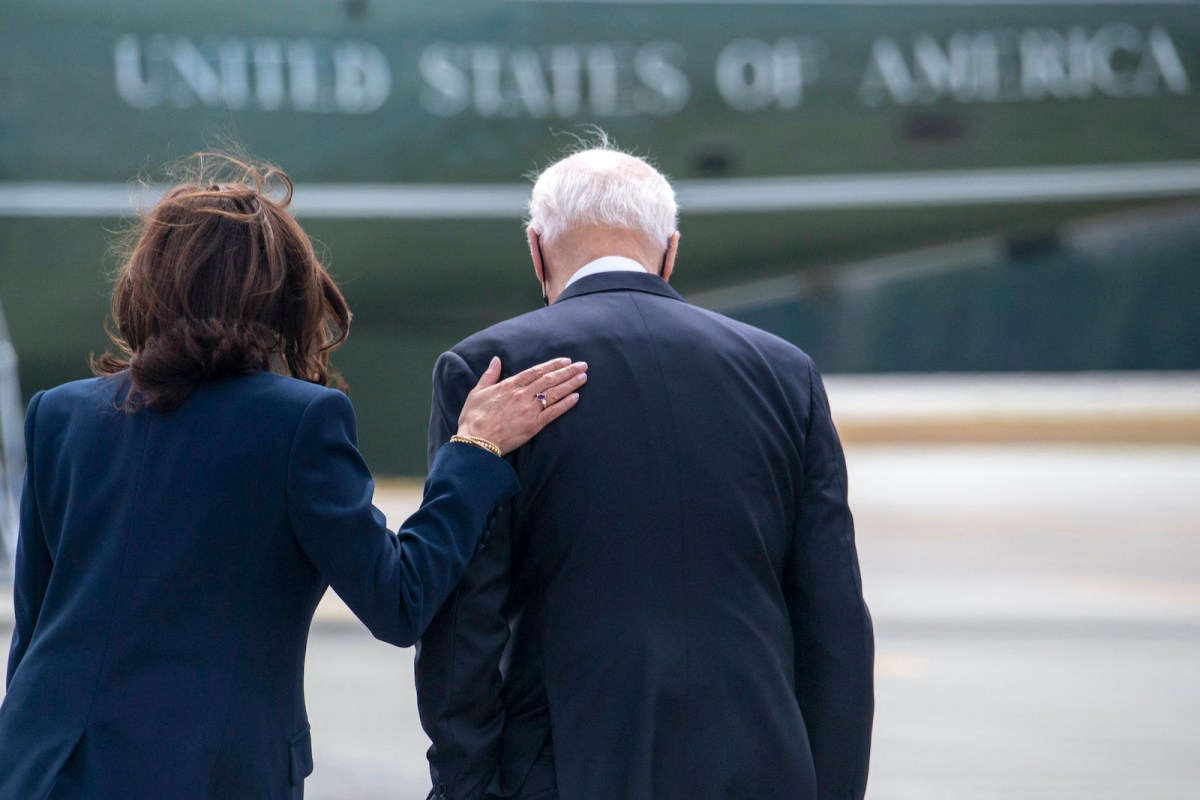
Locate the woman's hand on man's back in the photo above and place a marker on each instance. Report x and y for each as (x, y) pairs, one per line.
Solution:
(510, 412)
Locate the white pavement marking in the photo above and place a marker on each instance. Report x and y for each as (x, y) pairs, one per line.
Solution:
(1006, 407)
(1015, 394)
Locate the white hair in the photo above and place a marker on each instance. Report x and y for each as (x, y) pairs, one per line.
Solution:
(605, 187)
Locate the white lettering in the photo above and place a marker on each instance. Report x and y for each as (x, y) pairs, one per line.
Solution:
(362, 79)
(304, 79)
(603, 80)
(532, 87)
(1166, 57)
(943, 72)
(235, 73)
(666, 86)
(988, 51)
(753, 75)
(1115, 48)
(269, 86)
(198, 80)
(746, 74)
(1053, 65)
(485, 73)
(609, 79)
(137, 86)
(1034, 64)
(887, 76)
(447, 89)
(789, 74)
(567, 79)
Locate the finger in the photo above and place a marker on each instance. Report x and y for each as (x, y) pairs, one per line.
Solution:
(559, 376)
(557, 410)
(490, 375)
(533, 373)
(555, 394)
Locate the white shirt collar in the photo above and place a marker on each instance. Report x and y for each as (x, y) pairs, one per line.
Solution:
(606, 264)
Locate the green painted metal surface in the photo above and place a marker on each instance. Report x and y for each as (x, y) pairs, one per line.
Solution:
(476, 94)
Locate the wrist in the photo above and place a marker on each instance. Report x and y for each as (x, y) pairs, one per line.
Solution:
(476, 441)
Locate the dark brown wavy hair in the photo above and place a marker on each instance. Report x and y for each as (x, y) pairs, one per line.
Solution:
(221, 280)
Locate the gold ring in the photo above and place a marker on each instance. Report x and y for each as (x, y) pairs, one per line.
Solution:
(541, 398)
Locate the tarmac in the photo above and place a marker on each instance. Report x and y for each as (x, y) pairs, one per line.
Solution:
(1037, 617)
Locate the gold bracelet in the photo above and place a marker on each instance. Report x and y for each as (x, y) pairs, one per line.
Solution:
(475, 440)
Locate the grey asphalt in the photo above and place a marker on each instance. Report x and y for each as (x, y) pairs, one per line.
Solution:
(1037, 616)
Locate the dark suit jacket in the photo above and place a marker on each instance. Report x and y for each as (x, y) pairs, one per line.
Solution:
(674, 595)
(168, 567)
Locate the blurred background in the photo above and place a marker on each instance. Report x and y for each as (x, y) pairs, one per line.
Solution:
(982, 220)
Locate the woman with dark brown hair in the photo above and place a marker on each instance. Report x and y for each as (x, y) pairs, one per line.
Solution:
(184, 512)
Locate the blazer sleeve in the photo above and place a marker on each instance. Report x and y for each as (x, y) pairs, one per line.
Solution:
(834, 644)
(34, 562)
(458, 659)
(394, 583)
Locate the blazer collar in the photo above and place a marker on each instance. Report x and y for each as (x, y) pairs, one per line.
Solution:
(618, 282)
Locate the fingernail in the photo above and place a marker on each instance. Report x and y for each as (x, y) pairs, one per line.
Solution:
(581, 364)
(495, 361)
(581, 377)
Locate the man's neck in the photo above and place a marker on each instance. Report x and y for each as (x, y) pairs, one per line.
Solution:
(606, 264)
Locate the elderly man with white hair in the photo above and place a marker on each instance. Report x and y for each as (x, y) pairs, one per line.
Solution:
(671, 607)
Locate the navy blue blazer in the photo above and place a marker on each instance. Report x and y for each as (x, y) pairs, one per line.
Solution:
(168, 567)
(671, 607)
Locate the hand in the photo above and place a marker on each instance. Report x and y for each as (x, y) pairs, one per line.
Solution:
(508, 414)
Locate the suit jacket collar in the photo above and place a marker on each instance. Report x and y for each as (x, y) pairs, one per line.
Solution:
(618, 282)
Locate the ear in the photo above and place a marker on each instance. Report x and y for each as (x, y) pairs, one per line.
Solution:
(535, 253)
(669, 257)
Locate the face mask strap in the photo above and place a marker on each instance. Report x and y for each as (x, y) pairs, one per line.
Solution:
(545, 272)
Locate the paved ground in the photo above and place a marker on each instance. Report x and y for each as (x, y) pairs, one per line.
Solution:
(1038, 624)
